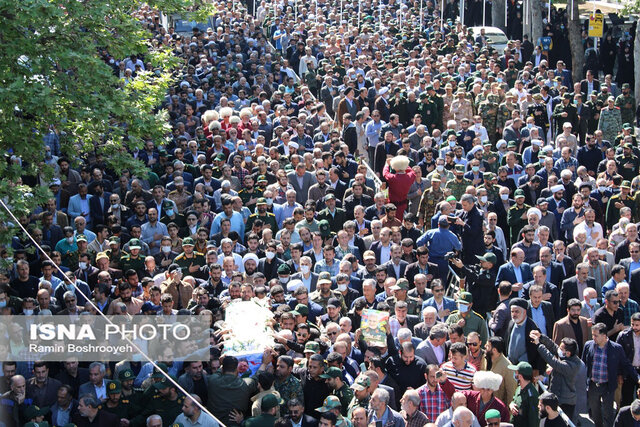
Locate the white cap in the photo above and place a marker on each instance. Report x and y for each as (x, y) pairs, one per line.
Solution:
(537, 142)
(557, 188)
(293, 145)
(383, 90)
(249, 256)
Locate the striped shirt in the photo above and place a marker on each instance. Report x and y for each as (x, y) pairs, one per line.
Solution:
(599, 373)
(433, 403)
(461, 380)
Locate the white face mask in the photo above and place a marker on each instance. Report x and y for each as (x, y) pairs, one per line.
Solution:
(483, 199)
(504, 196)
(463, 308)
(452, 144)
(166, 249)
(82, 265)
(560, 353)
(304, 269)
(342, 287)
(602, 189)
(440, 168)
(115, 206)
(270, 255)
(70, 240)
(593, 302)
(283, 280)
(602, 251)
(27, 312)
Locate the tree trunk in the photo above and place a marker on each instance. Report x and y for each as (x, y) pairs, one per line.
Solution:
(636, 62)
(497, 14)
(575, 41)
(536, 17)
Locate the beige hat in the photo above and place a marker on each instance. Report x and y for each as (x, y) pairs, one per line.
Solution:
(400, 163)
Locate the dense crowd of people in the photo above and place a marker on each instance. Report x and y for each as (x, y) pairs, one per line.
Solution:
(327, 159)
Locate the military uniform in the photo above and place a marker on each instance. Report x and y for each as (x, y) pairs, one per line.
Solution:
(461, 109)
(246, 195)
(124, 409)
(539, 113)
(493, 191)
(355, 403)
(268, 219)
(626, 105)
(414, 305)
(427, 207)
(439, 103)
(316, 297)
(345, 394)
(504, 114)
(613, 214)
(196, 259)
(473, 322)
(488, 110)
(167, 409)
(291, 388)
(572, 116)
(527, 402)
(610, 123)
(429, 113)
(128, 262)
(262, 420)
(458, 188)
(627, 166)
(515, 221)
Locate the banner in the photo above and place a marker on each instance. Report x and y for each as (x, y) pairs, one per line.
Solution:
(249, 328)
(372, 325)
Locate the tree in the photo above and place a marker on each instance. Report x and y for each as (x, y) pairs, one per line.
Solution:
(53, 75)
(575, 40)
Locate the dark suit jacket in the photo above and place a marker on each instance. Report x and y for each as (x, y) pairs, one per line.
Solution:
(414, 268)
(314, 279)
(55, 408)
(570, 290)
(99, 213)
(549, 316)
(617, 362)
(557, 273)
(103, 419)
(391, 272)
(336, 221)
(380, 156)
(302, 192)
(428, 354)
(625, 339)
(50, 393)
(472, 234)
(624, 418)
(375, 247)
(584, 85)
(88, 388)
(536, 361)
(307, 421)
(634, 285)
(507, 272)
(550, 288)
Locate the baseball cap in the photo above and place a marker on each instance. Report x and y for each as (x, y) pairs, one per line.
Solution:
(465, 297)
(188, 241)
(361, 383)
(311, 347)
(488, 257)
(523, 368)
(333, 302)
(114, 387)
(126, 374)
(35, 411)
(270, 401)
(332, 372)
(331, 402)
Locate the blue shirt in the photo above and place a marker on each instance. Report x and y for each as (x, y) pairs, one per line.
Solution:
(237, 224)
(149, 230)
(517, 344)
(538, 316)
(440, 241)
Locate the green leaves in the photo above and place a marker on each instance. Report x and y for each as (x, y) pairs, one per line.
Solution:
(52, 74)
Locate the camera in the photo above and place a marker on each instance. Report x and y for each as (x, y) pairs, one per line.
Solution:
(450, 255)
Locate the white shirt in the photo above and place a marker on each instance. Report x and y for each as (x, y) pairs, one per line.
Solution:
(593, 233)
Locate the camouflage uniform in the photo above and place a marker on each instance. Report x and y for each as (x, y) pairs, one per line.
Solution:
(488, 110)
(458, 188)
(345, 394)
(504, 114)
(610, 123)
(493, 191)
(473, 322)
(461, 109)
(427, 207)
(626, 105)
(414, 305)
(291, 388)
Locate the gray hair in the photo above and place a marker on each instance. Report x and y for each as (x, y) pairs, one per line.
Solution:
(68, 294)
(99, 365)
(413, 397)
(461, 412)
(381, 394)
(404, 334)
(90, 400)
(153, 417)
